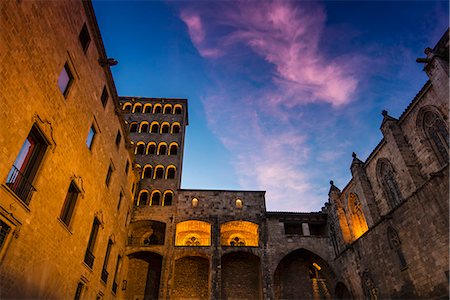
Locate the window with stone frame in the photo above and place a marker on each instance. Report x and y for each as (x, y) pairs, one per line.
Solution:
(388, 181)
(69, 204)
(5, 230)
(104, 97)
(65, 79)
(436, 132)
(89, 254)
(395, 245)
(84, 38)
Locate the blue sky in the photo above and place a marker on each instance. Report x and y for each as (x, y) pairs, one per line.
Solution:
(280, 93)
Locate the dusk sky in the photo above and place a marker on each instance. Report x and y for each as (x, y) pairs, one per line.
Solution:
(279, 93)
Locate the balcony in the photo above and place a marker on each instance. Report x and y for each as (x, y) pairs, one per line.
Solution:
(89, 259)
(104, 275)
(20, 185)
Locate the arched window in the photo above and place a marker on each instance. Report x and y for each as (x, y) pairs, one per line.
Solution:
(143, 198)
(165, 128)
(156, 198)
(168, 197)
(133, 127)
(170, 174)
(395, 244)
(177, 109)
(193, 233)
(246, 232)
(436, 131)
(173, 150)
(159, 172)
(162, 148)
(151, 148)
(239, 203)
(154, 128)
(140, 149)
(356, 216)
(387, 179)
(175, 128)
(167, 109)
(147, 108)
(143, 127)
(137, 108)
(157, 109)
(148, 172)
(126, 108)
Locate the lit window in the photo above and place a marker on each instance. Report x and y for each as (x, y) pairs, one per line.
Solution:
(91, 136)
(69, 204)
(193, 233)
(65, 79)
(194, 202)
(23, 171)
(239, 203)
(104, 96)
(84, 38)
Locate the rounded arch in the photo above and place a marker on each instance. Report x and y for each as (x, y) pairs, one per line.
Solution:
(173, 148)
(159, 172)
(126, 107)
(193, 233)
(140, 148)
(170, 172)
(239, 233)
(143, 126)
(175, 128)
(162, 148)
(387, 179)
(168, 198)
(155, 198)
(133, 127)
(154, 127)
(145, 278)
(142, 198)
(147, 172)
(191, 278)
(151, 148)
(157, 108)
(137, 108)
(315, 277)
(147, 108)
(177, 109)
(356, 216)
(165, 127)
(167, 109)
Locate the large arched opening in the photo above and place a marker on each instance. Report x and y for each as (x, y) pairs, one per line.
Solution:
(191, 278)
(241, 276)
(144, 275)
(303, 274)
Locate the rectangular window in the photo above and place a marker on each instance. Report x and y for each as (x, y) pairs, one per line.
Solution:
(293, 228)
(127, 167)
(84, 38)
(116, 274)
(105, 263)
(90, 137)
(89, 256)
(120, 200)
(65, 79)
(118, 138)
(105, 96)
(4, 231)
(108, 175)
(69, 204)
(22, 173)
(79, 291)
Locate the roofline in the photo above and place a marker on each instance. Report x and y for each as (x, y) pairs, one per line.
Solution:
(213, 190)
(292, 213)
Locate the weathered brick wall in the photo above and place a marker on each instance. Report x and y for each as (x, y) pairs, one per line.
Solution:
(191, 278)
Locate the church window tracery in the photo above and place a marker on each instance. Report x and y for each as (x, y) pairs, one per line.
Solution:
(436, 131)
(387, 178)
(395, 244)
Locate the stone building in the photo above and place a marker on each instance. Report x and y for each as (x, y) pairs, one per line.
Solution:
(91, 204)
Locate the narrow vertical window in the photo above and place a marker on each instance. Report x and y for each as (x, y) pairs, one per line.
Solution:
(127, 167)
(104, 96)
(120, 200)
(90, 137)
(4, 231)
(108, 175)
(69, 204)
(65, 80)
(118, 138)
(89, 255)
(79, 290)
(84, 38)
(116, 274)
(105, 263)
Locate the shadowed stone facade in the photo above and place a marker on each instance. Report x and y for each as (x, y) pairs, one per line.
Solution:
(91, 204)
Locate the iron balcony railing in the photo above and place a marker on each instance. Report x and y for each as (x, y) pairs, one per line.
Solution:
(20, 185)
(114, 287)
(89, 258)
(104, 275)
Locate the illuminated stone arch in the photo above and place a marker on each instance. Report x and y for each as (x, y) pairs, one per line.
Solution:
(168, 198)
(245, 232)
(151, 148)
(177, 109)
(139, 282)
(147, 108)
(165, 127)
(157, 108)
(175, 127)
(155, 198)
(159, 172)
(434, 128)
(387, 179)
(191, 278)
(140, 148)
(313, 276)
(154, 127)
(143, 198)
(147, 172)
(162, 148)
(137, 108)
(167, 109)
(193, 233)
(126, 107)
(173, 148)
(133, 127)
(170, 172)
(356, 217)
(143, 127)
